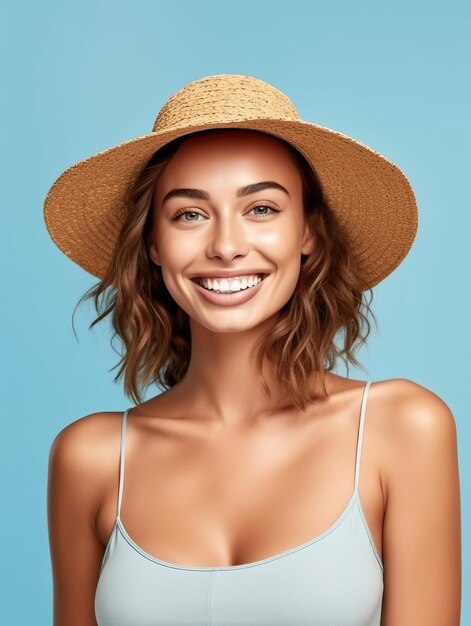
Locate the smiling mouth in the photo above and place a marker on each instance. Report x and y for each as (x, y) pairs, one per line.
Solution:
(230, 285)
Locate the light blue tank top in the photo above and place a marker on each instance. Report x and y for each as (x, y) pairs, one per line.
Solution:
(334, 579)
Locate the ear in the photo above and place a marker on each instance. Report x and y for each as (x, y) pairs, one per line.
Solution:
(308, 241)
(152, 250)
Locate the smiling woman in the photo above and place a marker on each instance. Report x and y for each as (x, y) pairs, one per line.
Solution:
(236, 246)
(154, 304)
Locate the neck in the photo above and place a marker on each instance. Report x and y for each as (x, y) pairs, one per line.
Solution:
(223, 382)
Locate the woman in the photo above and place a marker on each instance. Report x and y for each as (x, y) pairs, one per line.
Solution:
(232, 244)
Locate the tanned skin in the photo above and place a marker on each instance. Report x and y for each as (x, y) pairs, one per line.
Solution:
(237, 478)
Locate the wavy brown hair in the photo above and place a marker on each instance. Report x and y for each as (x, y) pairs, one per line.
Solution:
(155, 332)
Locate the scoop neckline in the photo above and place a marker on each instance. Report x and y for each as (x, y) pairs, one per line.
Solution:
(119, 524)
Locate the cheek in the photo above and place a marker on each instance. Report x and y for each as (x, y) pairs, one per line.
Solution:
(285, 251)
(283, 244)
(174, 248)
(173, 287)
(176, 255)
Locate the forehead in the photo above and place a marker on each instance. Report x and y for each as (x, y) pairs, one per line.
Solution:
(234, 151)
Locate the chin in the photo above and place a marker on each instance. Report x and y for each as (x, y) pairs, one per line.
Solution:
(232, 326)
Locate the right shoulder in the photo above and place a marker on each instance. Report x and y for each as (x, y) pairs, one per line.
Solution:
(86, 429)
(88, 446)
(90, 430)
(83, 457)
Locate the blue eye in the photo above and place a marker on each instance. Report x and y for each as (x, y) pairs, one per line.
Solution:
(263, 206)
(193, 214)
(185, 212)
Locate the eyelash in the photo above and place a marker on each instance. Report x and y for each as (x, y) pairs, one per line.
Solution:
(181, 212)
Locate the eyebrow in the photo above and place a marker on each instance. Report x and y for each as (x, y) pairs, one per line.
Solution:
(200, 194)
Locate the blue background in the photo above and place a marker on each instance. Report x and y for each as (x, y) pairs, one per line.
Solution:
(79, 77)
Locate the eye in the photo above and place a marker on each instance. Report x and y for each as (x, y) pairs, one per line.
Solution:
(185, 212)
(263, 206)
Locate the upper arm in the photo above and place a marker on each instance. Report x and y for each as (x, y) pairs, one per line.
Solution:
(422, 523)
(76, 552)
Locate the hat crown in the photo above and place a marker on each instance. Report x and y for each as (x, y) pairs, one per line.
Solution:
(224, 98)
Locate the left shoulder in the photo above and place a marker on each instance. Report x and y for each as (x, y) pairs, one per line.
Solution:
(414, 415)
(415, 433)
(422, 525)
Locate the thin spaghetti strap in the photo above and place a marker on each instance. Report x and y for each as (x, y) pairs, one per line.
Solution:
(122, 456)
(360, 433)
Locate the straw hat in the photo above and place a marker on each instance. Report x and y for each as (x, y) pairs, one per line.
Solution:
(370, 196)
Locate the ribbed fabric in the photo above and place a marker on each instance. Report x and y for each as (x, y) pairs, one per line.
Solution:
(335, 579)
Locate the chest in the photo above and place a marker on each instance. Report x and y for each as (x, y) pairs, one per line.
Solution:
(233, 500)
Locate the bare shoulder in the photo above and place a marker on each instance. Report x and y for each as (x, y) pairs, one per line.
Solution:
(415, 406)
(82, 456)
(413, 418)
(85, 430)
(82, 460)
(88, 445)
(405, 390)
(419, 461)
(83, 438)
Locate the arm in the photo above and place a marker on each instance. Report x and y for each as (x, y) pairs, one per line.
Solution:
(76, 552)
(422, 525)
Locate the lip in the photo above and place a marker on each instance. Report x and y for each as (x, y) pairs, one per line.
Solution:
(230, 299)
(229, 273)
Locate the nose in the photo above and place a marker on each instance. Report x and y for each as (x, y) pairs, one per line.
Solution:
(227, 239)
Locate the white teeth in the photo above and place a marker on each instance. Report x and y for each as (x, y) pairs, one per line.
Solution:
(223, 285)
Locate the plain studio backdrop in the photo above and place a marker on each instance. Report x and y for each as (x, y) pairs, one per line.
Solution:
(79, 77)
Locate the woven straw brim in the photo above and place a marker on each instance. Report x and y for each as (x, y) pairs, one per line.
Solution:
(370, 196)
